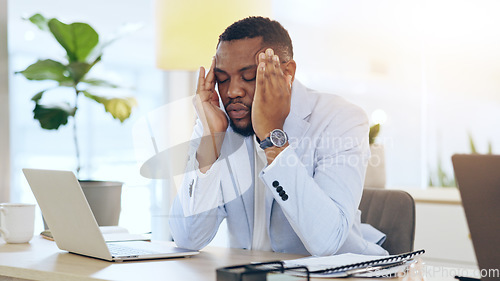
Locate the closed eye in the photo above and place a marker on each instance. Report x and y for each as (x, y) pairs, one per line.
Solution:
(221, 78)
(249, 80)
(250, 74)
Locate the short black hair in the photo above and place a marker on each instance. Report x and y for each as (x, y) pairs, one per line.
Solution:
(272, 32)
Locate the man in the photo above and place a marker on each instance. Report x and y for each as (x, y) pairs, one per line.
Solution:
(284, 165)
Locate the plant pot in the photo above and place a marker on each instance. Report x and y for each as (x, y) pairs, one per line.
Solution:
(375, 172)
(104, 198)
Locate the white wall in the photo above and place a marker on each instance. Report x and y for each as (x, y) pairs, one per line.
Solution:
(431, 65)
(4, 107)
(441, 229)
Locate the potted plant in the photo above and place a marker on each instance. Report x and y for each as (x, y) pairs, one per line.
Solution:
(375, 172)
(440, 177)
(83, 51)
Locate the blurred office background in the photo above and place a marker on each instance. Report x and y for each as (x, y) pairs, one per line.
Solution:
(428, 70)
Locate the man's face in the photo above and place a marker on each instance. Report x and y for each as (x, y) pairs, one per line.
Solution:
(235, 71)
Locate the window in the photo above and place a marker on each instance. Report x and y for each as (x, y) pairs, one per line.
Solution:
(431, 67)
(107, 150)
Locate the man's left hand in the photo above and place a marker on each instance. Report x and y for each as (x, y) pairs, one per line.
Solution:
(272, 99)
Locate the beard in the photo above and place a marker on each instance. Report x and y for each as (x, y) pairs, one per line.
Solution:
(245, 131)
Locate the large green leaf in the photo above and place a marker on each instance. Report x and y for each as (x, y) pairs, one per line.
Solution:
(78, 39)
(47, 70)
(51, 117)
(99, 83)
(119, 108)
(40, 21)
(38, 96)
(78, 70)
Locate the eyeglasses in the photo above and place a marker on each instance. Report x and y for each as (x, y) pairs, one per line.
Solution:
(260, 271)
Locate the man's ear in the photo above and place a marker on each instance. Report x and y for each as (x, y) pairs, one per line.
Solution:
(289, 68)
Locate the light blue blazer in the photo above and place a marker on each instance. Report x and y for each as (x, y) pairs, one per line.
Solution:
(322, 173)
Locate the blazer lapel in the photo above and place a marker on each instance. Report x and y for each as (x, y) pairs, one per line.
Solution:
(301, 107)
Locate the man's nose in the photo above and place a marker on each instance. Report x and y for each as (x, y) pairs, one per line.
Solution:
(235, 90)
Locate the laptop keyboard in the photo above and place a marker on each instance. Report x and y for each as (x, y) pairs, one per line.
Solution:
(120, 251)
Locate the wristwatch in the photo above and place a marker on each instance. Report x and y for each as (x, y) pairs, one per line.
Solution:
(277, 138)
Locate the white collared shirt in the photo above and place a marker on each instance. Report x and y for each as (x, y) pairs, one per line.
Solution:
(260, 237)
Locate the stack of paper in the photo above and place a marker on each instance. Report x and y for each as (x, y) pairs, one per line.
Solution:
(345, 265)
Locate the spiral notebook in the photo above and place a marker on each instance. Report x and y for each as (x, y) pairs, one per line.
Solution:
(345, 265)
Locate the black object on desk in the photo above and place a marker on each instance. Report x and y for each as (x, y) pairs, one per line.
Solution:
(256, 271)
(462, 278)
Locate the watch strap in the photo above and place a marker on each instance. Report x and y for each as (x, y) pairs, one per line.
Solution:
(266, 143)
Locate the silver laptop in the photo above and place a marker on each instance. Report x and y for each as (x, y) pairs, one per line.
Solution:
(478, 179)
(73, 226)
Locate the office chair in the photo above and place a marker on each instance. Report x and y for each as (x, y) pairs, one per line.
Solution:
(393, 213)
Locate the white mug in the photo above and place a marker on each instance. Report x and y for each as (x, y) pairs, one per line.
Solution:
(17, 222)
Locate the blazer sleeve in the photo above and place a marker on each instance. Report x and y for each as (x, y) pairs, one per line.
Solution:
(321, 205)
(197, 210)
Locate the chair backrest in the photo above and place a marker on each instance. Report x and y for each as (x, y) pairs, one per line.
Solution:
(393, 213)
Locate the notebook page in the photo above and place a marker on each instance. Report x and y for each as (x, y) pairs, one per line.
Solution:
(321, 263)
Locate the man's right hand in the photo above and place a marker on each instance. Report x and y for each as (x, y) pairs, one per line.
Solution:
(206, 102)
(212, 117)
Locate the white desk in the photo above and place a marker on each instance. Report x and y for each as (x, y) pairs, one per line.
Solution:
(42, 260)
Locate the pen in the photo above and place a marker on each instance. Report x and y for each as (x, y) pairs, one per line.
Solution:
(462, 278)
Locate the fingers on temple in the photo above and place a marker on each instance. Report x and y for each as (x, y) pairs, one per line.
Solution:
(210, 79)
(201, 79)
(274, 68)
(261, 69)
(270, 76)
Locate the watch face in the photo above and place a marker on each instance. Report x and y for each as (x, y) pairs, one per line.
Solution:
(278, 138)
